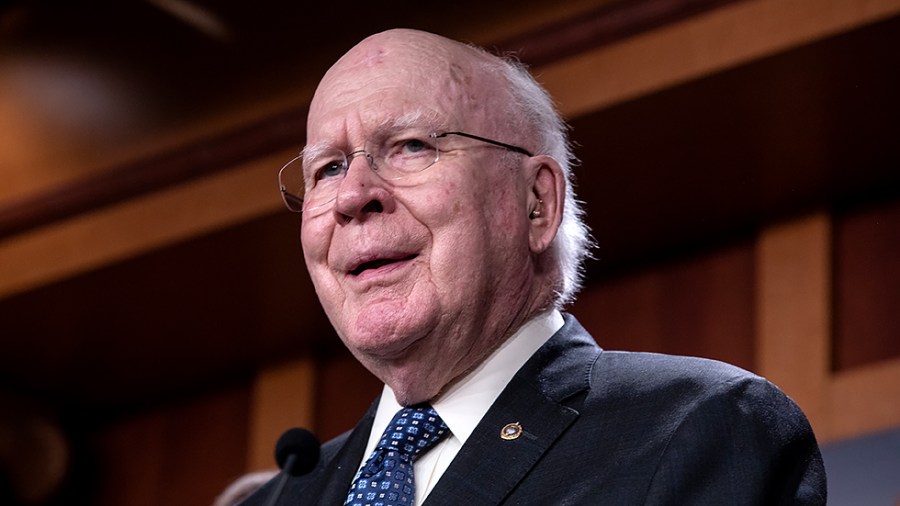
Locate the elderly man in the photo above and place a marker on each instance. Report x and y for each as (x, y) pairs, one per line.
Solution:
(442, 236)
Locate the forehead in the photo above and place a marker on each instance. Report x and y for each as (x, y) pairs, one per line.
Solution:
(386, 81)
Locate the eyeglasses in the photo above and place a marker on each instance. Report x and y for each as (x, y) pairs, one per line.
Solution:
(392, 157)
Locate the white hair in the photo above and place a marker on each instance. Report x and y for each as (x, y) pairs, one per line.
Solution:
(533, 111)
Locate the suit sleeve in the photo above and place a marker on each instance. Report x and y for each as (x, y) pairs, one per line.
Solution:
(744, 443)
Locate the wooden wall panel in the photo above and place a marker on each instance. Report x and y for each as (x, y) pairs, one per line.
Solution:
(798, 300)
(182, 455)
(720, 39)
(700, 306)
(867, 281)
(793, 311)
(283, 397)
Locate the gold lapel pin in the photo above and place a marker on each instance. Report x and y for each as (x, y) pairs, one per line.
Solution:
(511, 431)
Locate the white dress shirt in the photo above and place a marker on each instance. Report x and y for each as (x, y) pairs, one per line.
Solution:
(464, 405)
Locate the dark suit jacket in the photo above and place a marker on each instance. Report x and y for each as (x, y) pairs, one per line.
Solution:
(615, 428)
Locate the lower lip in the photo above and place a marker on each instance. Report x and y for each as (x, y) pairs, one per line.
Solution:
(369, 275)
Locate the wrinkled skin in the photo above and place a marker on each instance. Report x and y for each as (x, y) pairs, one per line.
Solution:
(455, 256)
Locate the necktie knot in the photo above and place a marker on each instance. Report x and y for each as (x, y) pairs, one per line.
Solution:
(387, 476)
(412, 431)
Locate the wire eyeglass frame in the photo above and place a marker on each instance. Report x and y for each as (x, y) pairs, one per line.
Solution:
(294, 202)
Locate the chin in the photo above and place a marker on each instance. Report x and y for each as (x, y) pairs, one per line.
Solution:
(381, 343)
(389, 327)
(403, 362)
(380, 347)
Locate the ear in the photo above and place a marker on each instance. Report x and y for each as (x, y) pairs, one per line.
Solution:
(545, 201)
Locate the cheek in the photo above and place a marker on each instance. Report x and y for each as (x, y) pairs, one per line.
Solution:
(460, 245)
(314, 242)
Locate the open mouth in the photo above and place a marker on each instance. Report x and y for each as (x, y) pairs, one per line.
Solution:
(377, 264)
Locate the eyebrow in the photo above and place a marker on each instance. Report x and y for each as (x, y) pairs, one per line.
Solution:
(408, 120)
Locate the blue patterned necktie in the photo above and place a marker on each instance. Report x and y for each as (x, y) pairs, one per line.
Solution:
(386, 479)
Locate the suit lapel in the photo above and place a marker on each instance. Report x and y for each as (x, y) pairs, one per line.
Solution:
(336, 478)
(488, 467)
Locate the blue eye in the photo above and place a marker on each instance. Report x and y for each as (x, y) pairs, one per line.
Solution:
(334, 168)
(407, 154)
(415, 146)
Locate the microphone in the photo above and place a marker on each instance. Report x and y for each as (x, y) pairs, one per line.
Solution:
(297, 453)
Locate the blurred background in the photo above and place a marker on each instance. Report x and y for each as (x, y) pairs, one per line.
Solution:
(740, 160)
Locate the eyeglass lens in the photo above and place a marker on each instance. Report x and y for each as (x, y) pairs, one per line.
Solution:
(392, 158)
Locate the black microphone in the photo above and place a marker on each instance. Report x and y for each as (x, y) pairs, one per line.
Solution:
(297, 453)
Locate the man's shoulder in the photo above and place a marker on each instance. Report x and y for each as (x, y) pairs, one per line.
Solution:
(668, 381)
(682, 388)
(331, 447)
(656, 369)
(642, 374)
(659, 417)
(628, 374)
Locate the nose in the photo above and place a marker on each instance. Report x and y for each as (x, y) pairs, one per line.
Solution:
(362, 192)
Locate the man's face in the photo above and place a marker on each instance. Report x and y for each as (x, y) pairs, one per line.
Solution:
(420, 277)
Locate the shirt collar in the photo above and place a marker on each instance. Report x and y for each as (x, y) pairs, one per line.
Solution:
(464, 404)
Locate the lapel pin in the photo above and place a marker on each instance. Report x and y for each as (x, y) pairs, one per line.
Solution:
(511, 431)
